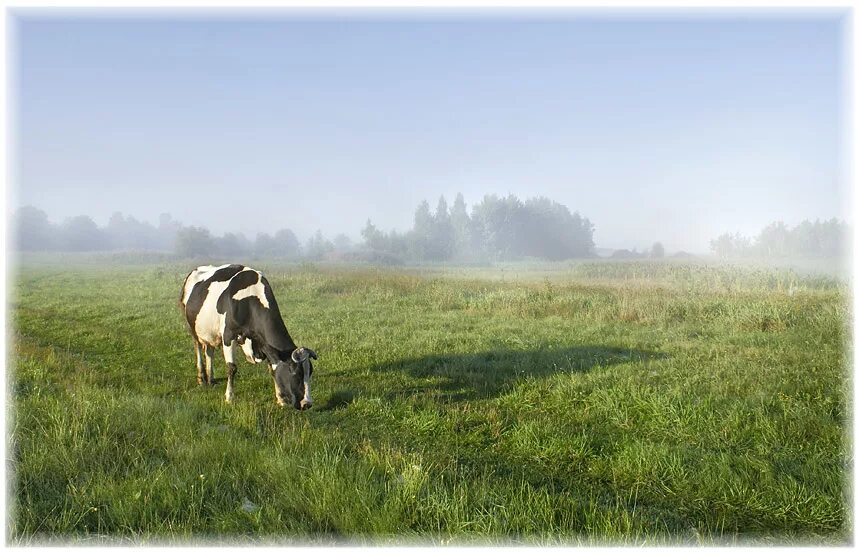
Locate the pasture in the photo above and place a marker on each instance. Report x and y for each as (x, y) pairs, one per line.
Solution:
(618, 403)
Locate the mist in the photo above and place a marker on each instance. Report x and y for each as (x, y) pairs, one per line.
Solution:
(673, 130)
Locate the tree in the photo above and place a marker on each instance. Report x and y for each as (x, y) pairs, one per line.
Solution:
(833, 238)
(342, 242)
(264, 245)
(423, 219)
(806, 240)
(284, 244)
(441, 235)
(318, 246)
(552, 232)
(287, 244)
(421, 235)
(193, 241)
(774, 240)
(167, 232)
(33, 231)
(80, 233)
(130, 233)
(730, 245)
(464, 243)
(498, 223)
(657, 251)
(373, 237)
(233, 245)
(510, 229)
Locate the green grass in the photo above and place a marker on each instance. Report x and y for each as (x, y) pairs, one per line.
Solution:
(632, 403)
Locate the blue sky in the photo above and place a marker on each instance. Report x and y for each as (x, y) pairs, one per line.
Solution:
(669, 127)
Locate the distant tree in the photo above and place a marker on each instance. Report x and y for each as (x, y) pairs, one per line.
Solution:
(834, 236)
(657, 251)
(808, 239)
(264, 245)
(498, 222)
(373, 237)
(723, 245)
(398, 244)
(582, 230)
(130, 233)
(465, 243)
(284, 245)
(510, 229)
(805, 241)
(33, 231)
(193, 241)
(288, 245)
(168, 229)
(442, 234)
(318, 246)
(553, 233)
(80, 233)
(233, 245)
(423, 219)
(730, 245)
(342, 242)
(420, 238)
(773, 241)
(116, 230)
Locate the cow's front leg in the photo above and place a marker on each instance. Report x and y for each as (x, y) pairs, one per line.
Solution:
(210, 357)
(278, 392)
(231, 370)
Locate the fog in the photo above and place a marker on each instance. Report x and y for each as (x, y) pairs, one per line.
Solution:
(591, 133)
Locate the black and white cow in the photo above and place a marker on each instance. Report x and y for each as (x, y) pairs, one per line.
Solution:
(233, 305)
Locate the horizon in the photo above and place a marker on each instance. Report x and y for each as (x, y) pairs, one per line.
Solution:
(357, 240)
(668, 128)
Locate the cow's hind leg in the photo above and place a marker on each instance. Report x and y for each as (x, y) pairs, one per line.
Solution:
(198, 350)
(210, 357)
(231, 370)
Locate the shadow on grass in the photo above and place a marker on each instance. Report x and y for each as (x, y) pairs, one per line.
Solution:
(338, 399)
(462, 377)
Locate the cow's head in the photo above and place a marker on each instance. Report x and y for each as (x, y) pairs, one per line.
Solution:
(292, 379)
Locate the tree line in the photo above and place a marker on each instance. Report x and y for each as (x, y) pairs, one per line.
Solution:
(827, 239)
(494, 229)
(497, 228)
(34, 232)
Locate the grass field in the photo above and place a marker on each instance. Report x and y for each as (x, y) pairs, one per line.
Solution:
(585, 403)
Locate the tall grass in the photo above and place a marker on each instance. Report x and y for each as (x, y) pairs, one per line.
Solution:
(678, 405)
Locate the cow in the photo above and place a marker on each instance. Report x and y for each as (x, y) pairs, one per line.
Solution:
(232, 305)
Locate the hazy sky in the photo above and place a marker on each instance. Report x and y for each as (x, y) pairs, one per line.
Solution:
(663, 128)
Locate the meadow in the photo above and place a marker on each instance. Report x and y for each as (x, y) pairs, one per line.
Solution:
(578, 403)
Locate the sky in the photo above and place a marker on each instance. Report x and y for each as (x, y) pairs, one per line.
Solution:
(671, 127)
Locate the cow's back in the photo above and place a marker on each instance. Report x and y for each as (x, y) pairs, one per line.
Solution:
(200, 294)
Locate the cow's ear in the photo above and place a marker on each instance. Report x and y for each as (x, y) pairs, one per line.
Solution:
(312, 354)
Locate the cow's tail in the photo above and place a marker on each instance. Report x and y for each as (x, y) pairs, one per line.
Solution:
(182, 291)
